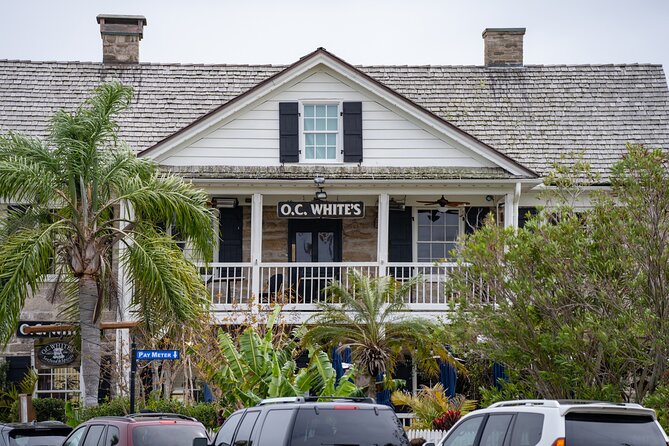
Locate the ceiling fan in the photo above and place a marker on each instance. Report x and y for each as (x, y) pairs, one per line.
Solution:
(443, 202)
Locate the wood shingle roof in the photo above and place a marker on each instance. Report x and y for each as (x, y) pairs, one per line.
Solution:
(532, 114)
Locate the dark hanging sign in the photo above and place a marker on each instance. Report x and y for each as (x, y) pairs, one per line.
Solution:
(320, 209)
(23, 324)
(52, 353)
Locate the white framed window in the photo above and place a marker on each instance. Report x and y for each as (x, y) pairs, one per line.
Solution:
(437, 234)
(320, 126)
(62, 383)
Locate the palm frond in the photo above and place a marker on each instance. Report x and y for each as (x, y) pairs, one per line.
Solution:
(25, 258)
(168, 288)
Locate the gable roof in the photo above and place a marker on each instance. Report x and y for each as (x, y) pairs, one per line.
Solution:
(319, 59)
(532, 114)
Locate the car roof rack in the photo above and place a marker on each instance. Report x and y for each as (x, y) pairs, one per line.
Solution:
(544, 403)
(560, 403)
(161, 415)
(314, 399)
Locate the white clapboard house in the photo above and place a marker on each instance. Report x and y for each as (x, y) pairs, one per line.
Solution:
(320, 166)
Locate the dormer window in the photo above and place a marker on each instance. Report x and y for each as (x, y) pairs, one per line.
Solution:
(320, 127)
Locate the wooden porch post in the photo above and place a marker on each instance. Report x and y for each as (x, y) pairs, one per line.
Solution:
(511, 201)
(256, 249)
(382, 233)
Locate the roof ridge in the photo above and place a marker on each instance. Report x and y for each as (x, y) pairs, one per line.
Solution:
(281, 66)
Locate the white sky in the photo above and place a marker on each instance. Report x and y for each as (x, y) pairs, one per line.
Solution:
(445, 32)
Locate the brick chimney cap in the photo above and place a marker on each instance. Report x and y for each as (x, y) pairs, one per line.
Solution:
(520, 31)
(113, 18)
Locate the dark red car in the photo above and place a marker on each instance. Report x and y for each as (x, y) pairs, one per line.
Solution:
(141, 429)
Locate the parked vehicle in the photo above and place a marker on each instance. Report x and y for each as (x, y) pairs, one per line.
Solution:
(306, 421)
(140, 429)
(557, 423)
(43, 433)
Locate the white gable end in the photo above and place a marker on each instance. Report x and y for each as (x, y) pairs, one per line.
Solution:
(250, 137)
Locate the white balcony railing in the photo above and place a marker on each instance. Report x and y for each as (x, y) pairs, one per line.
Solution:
(301, 286)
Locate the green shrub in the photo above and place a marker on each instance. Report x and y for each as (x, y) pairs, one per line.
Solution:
(659, 400)
(113, 407)
(49, 409)
(203, 412)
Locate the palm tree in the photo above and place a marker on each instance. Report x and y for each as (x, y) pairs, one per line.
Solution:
(368, 316)
(74, 187)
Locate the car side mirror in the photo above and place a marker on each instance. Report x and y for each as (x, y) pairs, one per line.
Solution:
(200, 441)
(114, 440)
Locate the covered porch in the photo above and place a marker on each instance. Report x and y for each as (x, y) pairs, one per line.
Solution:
(268, 253)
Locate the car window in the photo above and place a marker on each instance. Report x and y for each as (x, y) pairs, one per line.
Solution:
(113, 436)
(275, 428)
(495, 429)
(347, 425)
(75, 438)
(465, 433)
(93, 435)
(225, 433)
(583, 429)
(243, 436)
(37, 437)
(167, 434)
(527, 429)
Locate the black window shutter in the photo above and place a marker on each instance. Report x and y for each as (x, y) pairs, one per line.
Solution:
(400, 243)
(231, 234)
(289, 143)
(352, 132)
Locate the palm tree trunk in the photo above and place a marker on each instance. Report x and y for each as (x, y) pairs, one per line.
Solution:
(90, 339)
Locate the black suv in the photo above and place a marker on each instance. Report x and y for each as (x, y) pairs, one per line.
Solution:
(140, 429)
(42, 433)
(306, 421)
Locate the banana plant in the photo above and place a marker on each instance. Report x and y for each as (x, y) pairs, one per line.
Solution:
(262, 365)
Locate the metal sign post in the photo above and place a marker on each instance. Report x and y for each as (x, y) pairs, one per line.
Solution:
(133, 372)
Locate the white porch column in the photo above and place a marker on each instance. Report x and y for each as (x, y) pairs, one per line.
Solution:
(511, 201)
(382, 233)
(256, 248)
(124, 299)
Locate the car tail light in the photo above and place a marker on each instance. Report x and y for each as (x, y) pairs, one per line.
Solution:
(345, 407)
(558, 442)
(173, 422)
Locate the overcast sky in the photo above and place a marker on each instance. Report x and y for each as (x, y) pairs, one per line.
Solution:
(445, 32)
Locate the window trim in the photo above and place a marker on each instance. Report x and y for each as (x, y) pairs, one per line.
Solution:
(339, 148)
(415, 242)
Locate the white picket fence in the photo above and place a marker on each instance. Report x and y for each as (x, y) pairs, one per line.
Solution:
(428, 435)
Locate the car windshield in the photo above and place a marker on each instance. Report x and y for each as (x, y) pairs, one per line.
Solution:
(348, 426)
(582, 429)
(166, 435)
(37, 438)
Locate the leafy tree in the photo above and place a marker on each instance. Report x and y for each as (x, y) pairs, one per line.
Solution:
(369, 317)
(74, 186)
(576, 302)
(261, 365)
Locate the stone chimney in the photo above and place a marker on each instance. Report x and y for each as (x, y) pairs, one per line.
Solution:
(120, 37)
(503, 47)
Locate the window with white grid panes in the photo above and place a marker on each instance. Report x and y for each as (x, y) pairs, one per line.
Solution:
(62, 383)
(437, 234)
(320, 124)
